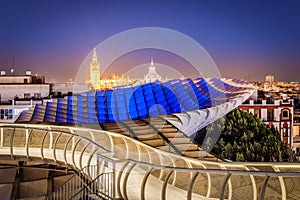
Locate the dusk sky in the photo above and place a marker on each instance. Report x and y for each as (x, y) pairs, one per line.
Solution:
(246, 39)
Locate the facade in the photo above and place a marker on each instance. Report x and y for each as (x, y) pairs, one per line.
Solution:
(67, 89)
(15, 79)
(95, 72)
(296, 129)
(296, 122)
(23, 91)
(270, 78)
(10, 112)
(269, 85)
(19, 93)
(278, 113)
(22, 87)
(115, 80)
(152, 75)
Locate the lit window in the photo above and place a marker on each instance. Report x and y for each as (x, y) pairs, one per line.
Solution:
(10, 115)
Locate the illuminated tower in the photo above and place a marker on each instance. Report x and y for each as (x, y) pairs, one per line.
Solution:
(270, 79)
(152, 74)
(95, 71)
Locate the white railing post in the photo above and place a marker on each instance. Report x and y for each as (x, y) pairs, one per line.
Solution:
(26, 137)
(51, 138)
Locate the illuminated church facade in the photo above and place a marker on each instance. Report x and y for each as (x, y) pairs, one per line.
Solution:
(96, 83)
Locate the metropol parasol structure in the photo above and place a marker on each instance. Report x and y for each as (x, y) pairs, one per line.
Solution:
(136, 143)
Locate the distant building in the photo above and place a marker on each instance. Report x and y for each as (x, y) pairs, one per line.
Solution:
(116, 80)
(95, 72)
(152, 75)
(278, 113)
(296, 130)
(270, 79)
(20, 92)
(22, 87)
(9, 112)
(269, 85)
(67, 89)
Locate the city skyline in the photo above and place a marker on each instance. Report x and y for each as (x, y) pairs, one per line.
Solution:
(246, 40)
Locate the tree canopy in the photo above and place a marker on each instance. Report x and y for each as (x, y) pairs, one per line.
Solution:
(244, 137)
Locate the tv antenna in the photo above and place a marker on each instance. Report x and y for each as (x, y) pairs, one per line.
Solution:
(12, 70)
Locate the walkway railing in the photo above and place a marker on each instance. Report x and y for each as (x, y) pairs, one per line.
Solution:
(264, 182)
(137, 171)
(49, 145)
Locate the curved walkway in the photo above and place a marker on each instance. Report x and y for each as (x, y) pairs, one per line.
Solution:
(144, 172)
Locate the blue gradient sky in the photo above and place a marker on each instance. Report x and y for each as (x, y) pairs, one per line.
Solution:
(246, 39)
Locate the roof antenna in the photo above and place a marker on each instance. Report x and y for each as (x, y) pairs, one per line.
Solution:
(12, 70)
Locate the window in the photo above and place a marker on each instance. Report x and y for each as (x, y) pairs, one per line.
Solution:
(37, 95)
(270, 115)
(25, 80)
(285, 113)
(6, 114)
(2, 114)
(298, 151)
(10, 114)
(256, 113)
(285, 131)
(27, 95)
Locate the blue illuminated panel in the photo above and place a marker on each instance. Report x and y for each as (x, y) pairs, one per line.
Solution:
(61, 111)
(140, 102)
(101, 107)
(121, 105)
(131, 103)
(171, 98)
(70, 118)
(135, 102)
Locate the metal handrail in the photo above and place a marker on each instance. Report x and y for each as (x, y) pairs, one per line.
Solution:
(67, 182)
(79, 181)
(94, 189)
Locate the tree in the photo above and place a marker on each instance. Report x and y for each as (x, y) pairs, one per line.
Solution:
(246, 138)
(240, 157)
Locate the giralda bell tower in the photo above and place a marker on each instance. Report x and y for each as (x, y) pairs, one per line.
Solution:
(95, 71)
